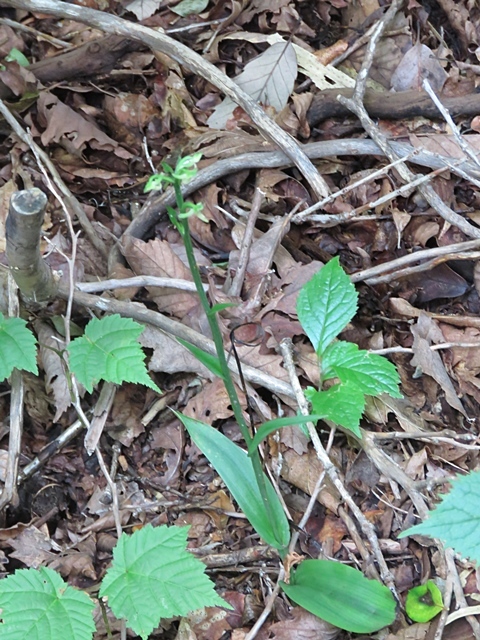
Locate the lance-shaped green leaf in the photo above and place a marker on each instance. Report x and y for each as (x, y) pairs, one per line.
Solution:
(270, 426)
(235, 468)
(39, 604)
(424, 602)
(326, 304)
(456, 520)
(17, 347)
(153, 576)
(370, 372)
(342, 404)
(341, 595)
(109, 350)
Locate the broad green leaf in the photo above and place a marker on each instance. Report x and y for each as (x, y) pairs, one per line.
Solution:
(424, 602)
(456, 520)
(153, 576)
(210, 361)
(272, 425)
(342, 404)
(109, 350)
(371, 373)
(326, 304)
(188, 7)
(17, 347)
(341, 595)
(39, 604)
(235, 468)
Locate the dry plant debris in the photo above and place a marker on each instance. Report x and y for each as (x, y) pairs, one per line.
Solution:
(89, 120)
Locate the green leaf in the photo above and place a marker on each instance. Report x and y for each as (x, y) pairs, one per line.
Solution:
(456, 520)
(326, 304)
(236, 470)
(342, 403)
(187, 7)
(153, 576)
(15, 55)
(109, 351)
(272, 425)
(39, 604)
(370, 372)
(210, 361)
(17, 347)
(424, 602)
(341, 595)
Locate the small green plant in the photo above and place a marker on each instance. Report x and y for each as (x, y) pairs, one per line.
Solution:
(152, 577)
(424, 602)
(325, 306)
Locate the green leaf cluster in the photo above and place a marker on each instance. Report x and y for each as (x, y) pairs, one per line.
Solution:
(325, 306)
(152, 576)
(109, 350)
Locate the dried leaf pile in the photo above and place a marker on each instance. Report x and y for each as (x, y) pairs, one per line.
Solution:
(105, 111)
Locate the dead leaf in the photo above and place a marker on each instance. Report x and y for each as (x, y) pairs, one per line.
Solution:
(429, 362)
(302, 626)
(33, 547)
(68, 128)
(268, 79)
(418, 64)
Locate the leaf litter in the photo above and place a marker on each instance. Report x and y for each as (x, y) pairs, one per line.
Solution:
(98, 132)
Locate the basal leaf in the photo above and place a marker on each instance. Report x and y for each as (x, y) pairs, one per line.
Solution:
(272, 425)
(326, 304)
(153, 576)
(456, 520)
(371, 373)
(424, 602)
(109, 350)
(341, 595)
(268, 79)
(235, 468)
(17, 347)
(39, 604)
(342, 403)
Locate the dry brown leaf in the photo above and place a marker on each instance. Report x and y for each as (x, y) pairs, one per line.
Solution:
(424, 333)
(55, 377)
(302, 626)
(67, 127)
(211, 403)
(157, 258)
(169, 356)
(33, 547)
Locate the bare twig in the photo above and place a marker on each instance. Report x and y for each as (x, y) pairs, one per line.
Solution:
(237, 283)
(137, 281)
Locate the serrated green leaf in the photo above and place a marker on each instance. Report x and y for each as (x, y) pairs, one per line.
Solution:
(370, 372)
(153, 576)
(188, 7)
(456, 520)
(39, 604)
(268, 427)
(341, 595)
(235, 468)
(326, 304)
(424, 602)
(342, 403)
(210, 361)
(109, 350)
(17, 347)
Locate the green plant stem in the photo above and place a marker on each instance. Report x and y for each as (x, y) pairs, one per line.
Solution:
(218, 341)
